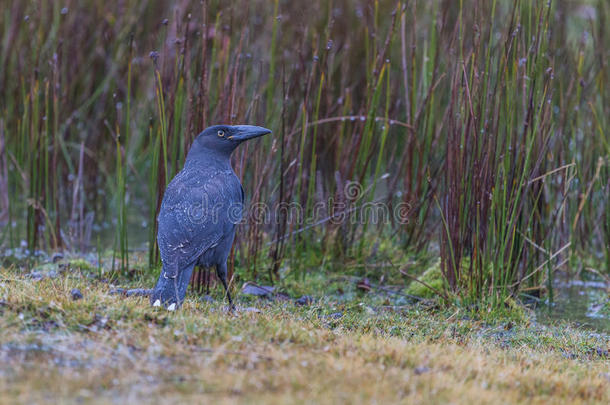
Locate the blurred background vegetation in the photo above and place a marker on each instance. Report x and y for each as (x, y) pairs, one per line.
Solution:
(481, 124)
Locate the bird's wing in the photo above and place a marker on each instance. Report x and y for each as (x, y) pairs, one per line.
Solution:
(199, 208)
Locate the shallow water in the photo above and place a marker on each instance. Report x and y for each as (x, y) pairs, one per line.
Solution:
(580, 302)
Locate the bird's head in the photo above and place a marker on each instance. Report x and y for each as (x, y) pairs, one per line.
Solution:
(225, 138)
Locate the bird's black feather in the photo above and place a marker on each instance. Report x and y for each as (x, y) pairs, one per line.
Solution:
(199, 212)
(199, 207)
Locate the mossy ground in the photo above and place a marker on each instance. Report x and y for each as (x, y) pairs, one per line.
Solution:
(348, 346)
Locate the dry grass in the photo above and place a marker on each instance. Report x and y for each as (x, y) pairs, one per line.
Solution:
(106, 349)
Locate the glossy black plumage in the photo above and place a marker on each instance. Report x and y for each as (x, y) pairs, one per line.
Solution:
(200, 209)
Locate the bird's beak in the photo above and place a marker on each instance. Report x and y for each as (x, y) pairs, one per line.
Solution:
(245, 132)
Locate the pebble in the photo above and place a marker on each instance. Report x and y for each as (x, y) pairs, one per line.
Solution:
(334, 315)
(256, 290)
(138, 292)
(121, 291)
(304, 300)
(421, 370)
(57, 257)
(76, 294)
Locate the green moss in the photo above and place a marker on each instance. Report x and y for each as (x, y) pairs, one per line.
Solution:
(81, 264)
(432, 276)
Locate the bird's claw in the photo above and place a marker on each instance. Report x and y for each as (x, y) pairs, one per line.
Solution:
(171, 307)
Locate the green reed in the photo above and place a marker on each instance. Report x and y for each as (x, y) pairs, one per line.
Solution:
(489, 118)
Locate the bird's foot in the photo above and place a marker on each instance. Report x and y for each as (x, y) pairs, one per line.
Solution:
(169, 292)
(170, 306)
(169, 298)
(170, 303)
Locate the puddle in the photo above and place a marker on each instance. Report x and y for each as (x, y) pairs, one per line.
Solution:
(580, 302)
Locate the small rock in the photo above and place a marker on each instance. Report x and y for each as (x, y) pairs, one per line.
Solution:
(304, 300)
(251, 309)
(57, 257)
(36, 276)
(334, 315)
(76, 294)
(257, 290)
(138, 292)
(121, 291)
(421, 370)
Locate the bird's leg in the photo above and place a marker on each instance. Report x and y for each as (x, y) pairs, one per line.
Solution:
(207, 281)
(221, 272)
(178, 303)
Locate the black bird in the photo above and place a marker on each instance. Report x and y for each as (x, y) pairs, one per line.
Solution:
(199, 212)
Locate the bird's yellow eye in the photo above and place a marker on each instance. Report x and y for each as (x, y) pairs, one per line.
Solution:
(221, 133)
